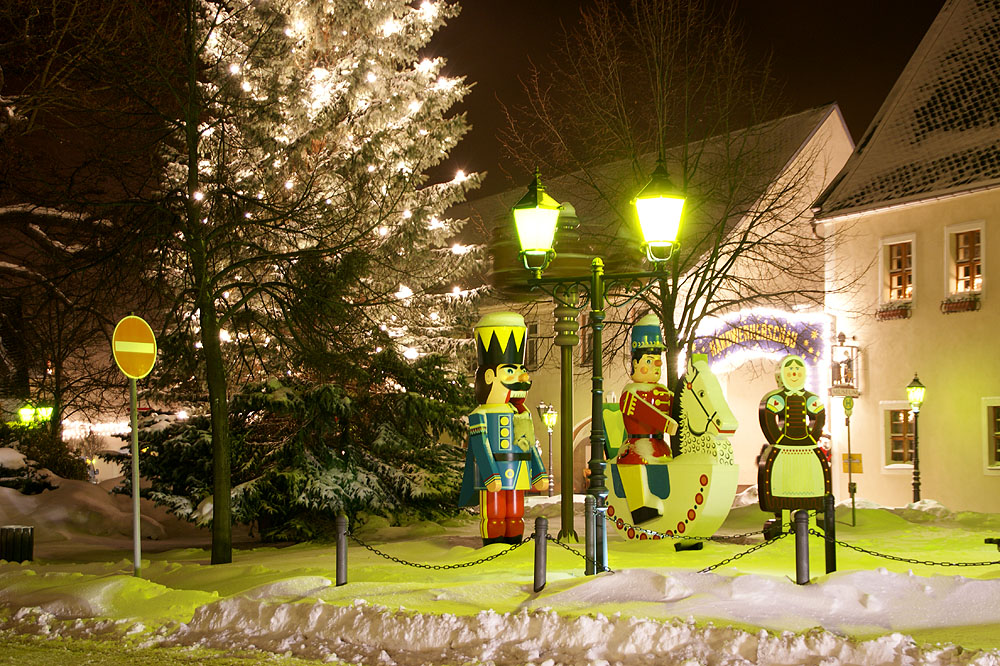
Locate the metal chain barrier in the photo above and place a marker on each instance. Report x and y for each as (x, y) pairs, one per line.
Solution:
(439, 567)
(751, 549)
(896, 558)
(577, 553)
(715, 537)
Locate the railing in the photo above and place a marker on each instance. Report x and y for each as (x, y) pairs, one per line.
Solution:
(541, 538)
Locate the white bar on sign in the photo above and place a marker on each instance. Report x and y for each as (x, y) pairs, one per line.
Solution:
(136, 347)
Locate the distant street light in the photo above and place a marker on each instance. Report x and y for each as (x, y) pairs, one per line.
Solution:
(27, 414)
(549, 415)
(915, 395)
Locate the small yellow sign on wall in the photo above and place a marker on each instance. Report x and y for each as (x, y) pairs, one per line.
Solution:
(852, 464)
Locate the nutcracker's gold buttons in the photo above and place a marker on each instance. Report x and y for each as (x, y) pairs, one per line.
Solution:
(504, 432)
(504, 420)
(509, 474)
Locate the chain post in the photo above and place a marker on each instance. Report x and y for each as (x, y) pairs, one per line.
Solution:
(801, 547)
(541, 541)
(341, 525)
(830, 527)
(590, 540)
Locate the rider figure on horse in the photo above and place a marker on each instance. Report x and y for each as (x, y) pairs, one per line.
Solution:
(645, 403)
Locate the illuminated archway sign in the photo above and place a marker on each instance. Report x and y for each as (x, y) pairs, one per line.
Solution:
(735, 338)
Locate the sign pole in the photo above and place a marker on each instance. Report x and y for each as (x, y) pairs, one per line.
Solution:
(851, 486)
(136, 522)
(133, 347)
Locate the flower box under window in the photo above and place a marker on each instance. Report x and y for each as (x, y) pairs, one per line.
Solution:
(963, 303)
(900, 310)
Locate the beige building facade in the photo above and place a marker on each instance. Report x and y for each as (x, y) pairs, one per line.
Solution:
(916, 210)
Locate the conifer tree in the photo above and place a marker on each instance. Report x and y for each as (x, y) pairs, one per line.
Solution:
(303, 226)
(275, 185)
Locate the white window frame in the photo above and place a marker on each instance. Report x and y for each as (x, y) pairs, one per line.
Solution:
(885, 288)
(886, 406)
(950, 250)
(987, 437)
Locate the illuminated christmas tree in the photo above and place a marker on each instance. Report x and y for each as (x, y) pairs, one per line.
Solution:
(304, 238)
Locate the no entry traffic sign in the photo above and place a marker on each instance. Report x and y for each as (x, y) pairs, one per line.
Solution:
(134, 347)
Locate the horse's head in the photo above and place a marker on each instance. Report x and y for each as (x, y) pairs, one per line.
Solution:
(702, 401)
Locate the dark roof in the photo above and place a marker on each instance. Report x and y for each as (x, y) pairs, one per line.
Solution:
(938, 131)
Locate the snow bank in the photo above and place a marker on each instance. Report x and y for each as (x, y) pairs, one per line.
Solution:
(11, 458)
(76, 510)
(655, 609)
(377, 635)
(291, 616)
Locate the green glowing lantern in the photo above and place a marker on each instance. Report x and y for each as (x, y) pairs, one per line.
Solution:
(659, 206)
(535, 217)
(915, 393)
(27, 414)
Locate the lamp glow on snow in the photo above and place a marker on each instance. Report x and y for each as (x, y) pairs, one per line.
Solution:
(658, 206)
(915, 393)
(535, 217)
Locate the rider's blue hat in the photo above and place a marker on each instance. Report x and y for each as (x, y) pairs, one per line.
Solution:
(646, 335)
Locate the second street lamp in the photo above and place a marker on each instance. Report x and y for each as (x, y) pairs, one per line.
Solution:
(658, 207)
(549, 415)
(915, 396)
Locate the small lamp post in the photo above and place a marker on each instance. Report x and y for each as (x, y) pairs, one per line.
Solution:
(658, 207)
(915, 396)
(549, 416)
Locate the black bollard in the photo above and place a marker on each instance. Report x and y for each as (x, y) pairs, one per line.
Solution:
(341, 523)
(17, 543)
(590, 538)
(830, 529)
(541, 542)
(801, 547)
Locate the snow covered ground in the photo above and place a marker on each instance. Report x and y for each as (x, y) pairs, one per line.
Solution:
(654, 608)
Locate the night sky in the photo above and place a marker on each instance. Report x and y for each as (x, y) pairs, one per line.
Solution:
(845, 51)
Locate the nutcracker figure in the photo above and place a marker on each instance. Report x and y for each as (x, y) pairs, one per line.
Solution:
(502, 460)
(645, 408)
(793, 472)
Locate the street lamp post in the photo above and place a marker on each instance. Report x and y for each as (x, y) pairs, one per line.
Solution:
(915, 396)
(549, 415)
(658, 207)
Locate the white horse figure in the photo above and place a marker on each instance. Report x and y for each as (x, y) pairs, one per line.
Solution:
(691, 493)
(705, 421)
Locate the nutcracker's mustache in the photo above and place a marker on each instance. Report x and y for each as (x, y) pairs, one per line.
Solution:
(518, 387)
